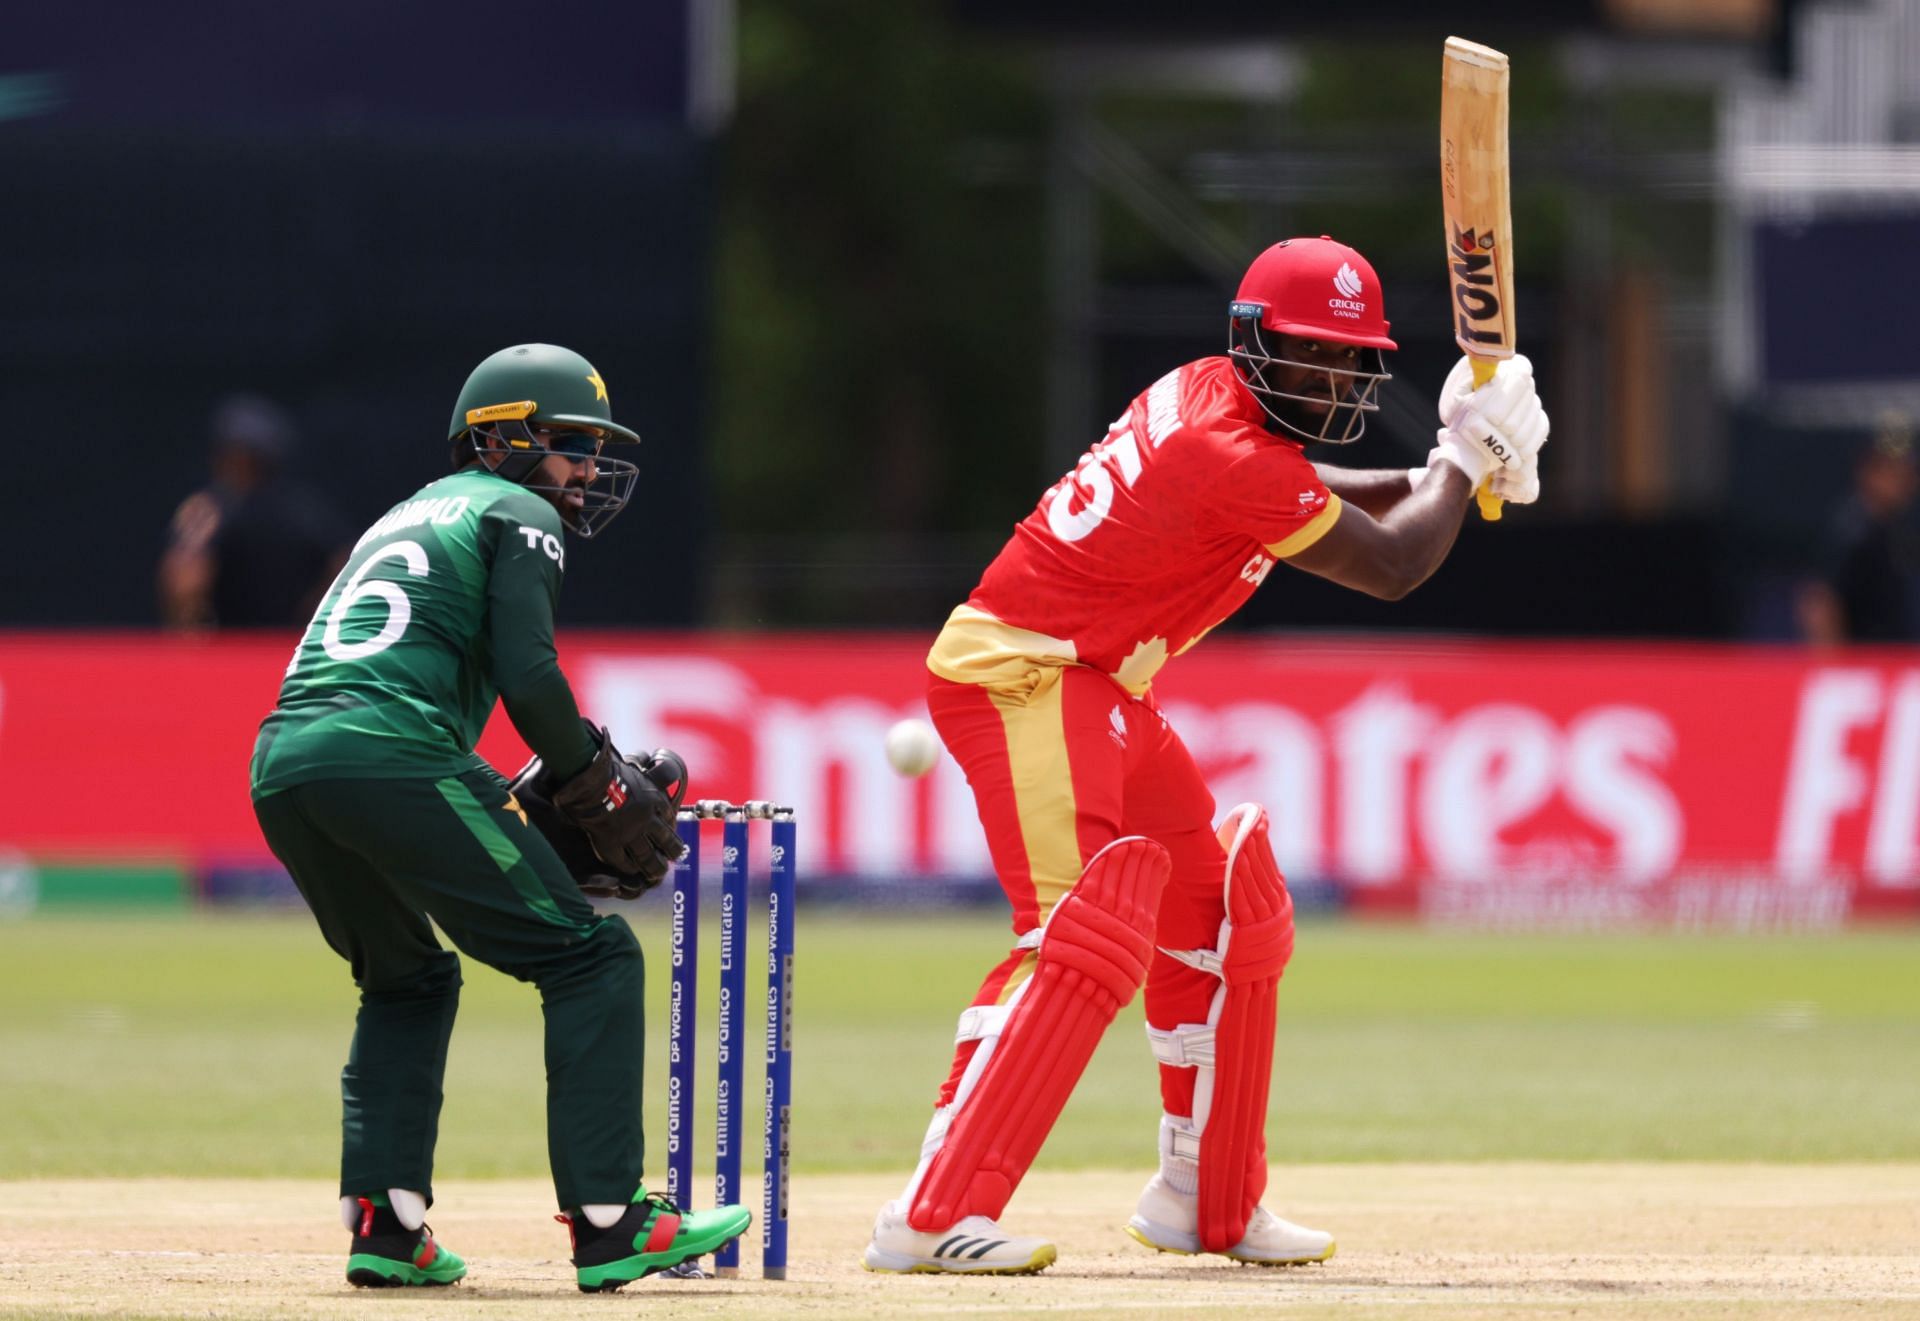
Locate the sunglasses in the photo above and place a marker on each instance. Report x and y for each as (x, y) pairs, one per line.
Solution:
(576, 444)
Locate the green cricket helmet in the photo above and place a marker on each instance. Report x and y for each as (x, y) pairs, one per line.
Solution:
(530, 386)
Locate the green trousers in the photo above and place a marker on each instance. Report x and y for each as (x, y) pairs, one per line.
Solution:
(375, 859)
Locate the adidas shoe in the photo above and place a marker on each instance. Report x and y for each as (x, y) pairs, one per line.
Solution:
(975, 1246)
(386, 1253)
(1167, 1221)
(654, 1235)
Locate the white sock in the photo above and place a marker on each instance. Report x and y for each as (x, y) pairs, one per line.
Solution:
(409, 1207)
(603, 1215)
(1183, 1176)
(1182, 1173)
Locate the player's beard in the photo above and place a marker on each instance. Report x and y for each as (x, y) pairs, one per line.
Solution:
(567, 496)
(585, 506)
(571, 501)
(1308, 414)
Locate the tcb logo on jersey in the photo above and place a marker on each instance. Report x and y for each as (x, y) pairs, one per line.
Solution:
(547, 542)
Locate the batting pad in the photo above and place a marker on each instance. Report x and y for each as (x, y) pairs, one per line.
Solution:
(1093, 959)
(1233, 1050)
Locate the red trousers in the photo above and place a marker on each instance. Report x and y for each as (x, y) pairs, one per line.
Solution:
(1060, 767)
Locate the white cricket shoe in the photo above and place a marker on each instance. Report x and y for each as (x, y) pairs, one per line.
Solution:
(975, 1246)
(1168, 1221)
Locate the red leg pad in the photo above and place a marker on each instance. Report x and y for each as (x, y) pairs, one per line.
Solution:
(1233, 1144)
(1092, 960)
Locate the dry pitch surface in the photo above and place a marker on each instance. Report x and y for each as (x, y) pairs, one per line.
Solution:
(1481, 1240)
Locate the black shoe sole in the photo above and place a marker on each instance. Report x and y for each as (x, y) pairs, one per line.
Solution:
(364, 1279)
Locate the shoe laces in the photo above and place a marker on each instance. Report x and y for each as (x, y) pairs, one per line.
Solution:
(662, 1204)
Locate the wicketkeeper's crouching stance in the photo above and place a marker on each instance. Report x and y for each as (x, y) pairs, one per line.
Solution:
(1100, 826)
(367, 787)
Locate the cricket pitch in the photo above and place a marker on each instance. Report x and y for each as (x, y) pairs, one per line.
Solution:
(1483, 1240)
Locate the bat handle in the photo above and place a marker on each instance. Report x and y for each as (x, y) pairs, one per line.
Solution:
(1490, 504)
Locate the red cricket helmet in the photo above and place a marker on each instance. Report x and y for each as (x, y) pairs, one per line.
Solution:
(1318, 289)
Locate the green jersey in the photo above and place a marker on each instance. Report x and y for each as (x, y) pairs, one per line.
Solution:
(446, 602)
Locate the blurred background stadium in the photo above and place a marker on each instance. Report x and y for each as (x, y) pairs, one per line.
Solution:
(867, 277)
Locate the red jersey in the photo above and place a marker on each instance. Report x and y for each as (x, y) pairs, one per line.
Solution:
(1162, 530)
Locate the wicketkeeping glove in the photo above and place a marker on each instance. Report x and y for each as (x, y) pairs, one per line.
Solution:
(613, 823)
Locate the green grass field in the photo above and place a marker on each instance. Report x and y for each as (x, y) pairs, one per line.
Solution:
(210, 1046)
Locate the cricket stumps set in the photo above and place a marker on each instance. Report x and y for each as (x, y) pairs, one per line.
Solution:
(682, 1040)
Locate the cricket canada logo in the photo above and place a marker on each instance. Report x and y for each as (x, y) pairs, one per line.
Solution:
(1346, 282)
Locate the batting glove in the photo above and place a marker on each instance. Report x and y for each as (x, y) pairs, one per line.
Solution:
(1493, 430)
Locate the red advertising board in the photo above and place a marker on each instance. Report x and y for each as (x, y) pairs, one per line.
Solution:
(1478, 782)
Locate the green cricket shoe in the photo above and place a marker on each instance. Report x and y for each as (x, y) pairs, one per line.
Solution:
(654, 1235)
(386, 1254)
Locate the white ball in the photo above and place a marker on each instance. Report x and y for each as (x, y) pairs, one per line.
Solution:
(913, 747)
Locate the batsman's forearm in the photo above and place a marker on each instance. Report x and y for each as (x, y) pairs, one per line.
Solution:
(1376, 490)
(1426, 523)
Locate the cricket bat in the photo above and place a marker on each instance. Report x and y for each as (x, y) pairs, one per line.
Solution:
(1475, 194)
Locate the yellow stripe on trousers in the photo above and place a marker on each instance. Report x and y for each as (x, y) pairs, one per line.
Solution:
(1035, 724)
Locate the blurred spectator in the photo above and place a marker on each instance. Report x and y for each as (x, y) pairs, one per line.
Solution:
(1868, 589)
(255, 547)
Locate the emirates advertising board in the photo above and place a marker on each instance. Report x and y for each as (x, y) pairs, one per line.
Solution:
(1487, 785)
